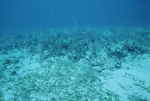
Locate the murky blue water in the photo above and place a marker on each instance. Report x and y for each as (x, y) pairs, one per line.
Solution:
(66, 13)
(74, 50)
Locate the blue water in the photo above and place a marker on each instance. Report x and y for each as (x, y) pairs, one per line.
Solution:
(66, 13)
(74, 50)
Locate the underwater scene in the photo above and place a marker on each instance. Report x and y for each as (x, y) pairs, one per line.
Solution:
(74, 50)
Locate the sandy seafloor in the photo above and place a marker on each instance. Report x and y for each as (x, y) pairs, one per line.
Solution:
(75, 64)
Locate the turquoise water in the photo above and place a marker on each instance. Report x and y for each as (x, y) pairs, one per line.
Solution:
(71, 50)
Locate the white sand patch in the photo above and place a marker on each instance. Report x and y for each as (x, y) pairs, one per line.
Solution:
(131, 81)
